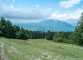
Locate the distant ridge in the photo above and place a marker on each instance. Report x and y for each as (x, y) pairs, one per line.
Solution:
(50, 24)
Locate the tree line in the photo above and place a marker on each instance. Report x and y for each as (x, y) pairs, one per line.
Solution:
(13, 31)
(60, 36)
(74, 37)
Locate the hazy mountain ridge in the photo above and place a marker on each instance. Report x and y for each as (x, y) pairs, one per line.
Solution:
(45, 25)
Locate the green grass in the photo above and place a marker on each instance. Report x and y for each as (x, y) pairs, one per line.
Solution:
(40, 49)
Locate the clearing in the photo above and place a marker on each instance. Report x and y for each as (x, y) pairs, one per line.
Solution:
(40, 49)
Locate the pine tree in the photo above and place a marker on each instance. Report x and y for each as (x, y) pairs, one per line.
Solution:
(1, 33)
(49, 35)
(9, 29)
(77, 36)
(16, 29)
(22, 34)
(3, 26)
(58, 37)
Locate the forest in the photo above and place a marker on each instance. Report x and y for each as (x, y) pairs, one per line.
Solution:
(8, 30)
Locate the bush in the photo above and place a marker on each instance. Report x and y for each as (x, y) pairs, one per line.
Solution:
(58, 40)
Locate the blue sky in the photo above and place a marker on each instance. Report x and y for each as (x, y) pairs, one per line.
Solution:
(37, 10)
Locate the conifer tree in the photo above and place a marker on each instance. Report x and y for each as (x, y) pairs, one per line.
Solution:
(77, 36)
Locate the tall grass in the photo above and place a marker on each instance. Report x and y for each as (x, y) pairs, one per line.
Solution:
(40, 49)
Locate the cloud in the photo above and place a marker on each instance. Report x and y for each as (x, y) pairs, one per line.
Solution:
(69, 3)
(18, 13)
(37, 5)
(72, 16)
(49, 9)
(13, 1)
(11, 6)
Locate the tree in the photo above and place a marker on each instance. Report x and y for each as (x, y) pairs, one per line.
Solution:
(3, 26)
(58, 37)
(13, 31)
(22, 34)
(61, 36)
(1, 33)
(16, 29)
(77, 36)
(9, 30)
(49, 35)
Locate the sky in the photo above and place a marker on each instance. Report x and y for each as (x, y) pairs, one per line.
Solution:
(38, 10)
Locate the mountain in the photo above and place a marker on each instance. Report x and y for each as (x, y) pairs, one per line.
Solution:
(45, 25)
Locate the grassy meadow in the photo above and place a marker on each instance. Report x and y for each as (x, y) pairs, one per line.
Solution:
(40, 49)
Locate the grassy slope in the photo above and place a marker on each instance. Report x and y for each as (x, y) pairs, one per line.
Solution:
(40, 49)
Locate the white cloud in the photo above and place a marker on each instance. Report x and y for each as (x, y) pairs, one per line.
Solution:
(13, 1)
(69, 3)
(37, 5)
(36, 13)
(72, 16)
(18, 13)
(49, 9)
(11, 6)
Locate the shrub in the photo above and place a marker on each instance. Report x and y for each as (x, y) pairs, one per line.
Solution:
(58, 40)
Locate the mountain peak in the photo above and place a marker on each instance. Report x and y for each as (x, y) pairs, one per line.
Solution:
(50, 24)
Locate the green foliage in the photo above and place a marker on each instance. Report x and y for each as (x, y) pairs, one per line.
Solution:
(77, 36)
(49, 35)
(36, 34)
(1, 33)
(16, 30)
(22, 34)
(58, 39)
(61, 37)
(9, 31)
(3, 26)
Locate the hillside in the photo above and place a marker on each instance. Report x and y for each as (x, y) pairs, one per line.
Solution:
(40, 49)
(53, 25)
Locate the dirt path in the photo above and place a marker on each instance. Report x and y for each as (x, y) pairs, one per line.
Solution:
(2, 55)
